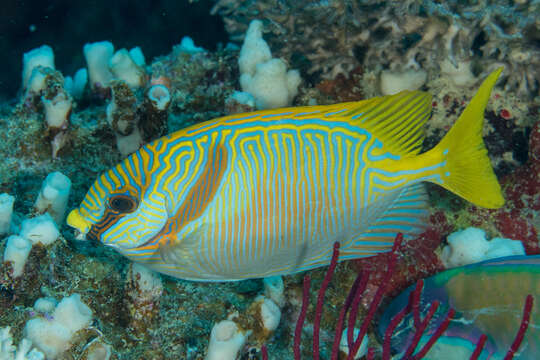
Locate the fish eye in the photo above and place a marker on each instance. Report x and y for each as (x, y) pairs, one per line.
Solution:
(122, 203)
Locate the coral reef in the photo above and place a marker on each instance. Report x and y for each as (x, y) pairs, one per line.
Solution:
(398, 35)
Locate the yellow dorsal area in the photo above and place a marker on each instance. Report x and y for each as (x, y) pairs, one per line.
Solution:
(396, 120)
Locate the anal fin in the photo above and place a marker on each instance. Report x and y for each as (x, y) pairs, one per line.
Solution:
(407, 214)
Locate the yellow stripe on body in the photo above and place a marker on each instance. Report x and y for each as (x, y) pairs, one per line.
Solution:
(263, 198)
(257, 246)
(302, 211)
(278, 191)
(349, 197)
(287, 196)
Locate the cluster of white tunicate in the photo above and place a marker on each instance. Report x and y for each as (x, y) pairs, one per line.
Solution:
(52, 335)
(51, 331)
(112, 70)
(37, 64)
(105, 65)
(41, 81)
(42, 229)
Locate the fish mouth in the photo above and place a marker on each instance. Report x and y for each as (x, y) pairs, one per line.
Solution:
(79, 223)
(79, 235)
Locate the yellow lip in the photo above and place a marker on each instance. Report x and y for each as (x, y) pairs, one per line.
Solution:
(76, 221)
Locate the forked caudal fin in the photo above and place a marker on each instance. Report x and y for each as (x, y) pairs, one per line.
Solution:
(468, 172)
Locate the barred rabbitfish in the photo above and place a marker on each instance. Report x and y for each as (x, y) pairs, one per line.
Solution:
(269, 192)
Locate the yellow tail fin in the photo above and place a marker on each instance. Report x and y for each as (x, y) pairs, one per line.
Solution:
(468, 172)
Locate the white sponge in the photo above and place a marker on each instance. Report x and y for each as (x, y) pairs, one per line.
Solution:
(17, 250)
(23, 352)
(270, 314)
(73, 313)
(53, 196)
(75, 86)
(124, 68)
(188, 46)
(275, 289)
(271, 84)
(57, 110)
(137, 56)
(41, 229)
(470, 246)
(265, 78)
(148, 282)
(97, 57)
(53, 336)
(50, 337)
(41, 56)
(254, 50)
(45, 305)
(225, 341)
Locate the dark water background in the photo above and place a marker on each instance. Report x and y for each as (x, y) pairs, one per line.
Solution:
(67, 25)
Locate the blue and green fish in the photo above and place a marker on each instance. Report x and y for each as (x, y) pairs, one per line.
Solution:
(268, 193)
(488, 298)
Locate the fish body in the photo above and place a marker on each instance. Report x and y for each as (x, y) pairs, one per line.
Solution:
(268, 193)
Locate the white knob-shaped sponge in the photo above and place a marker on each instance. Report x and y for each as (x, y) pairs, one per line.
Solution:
(270, 314)
(53, 196)
(225, 341)
(41, 56)
(17, 250)
(265, 78)
(97, 57)
(124, 68)
(271, 85)
(41, 229)
(53, 336)
(470, 246)
(275, 289)
(254, 49)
